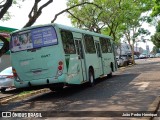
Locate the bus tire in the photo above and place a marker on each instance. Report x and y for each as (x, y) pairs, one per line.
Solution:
(57, 89)
(3, 90)
(91, 78)
(110, 74)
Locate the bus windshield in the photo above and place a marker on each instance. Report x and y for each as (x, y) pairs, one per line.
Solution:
(33, 38)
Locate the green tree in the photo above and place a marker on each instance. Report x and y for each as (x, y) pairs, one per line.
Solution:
(155, 50)
(133, 21)
(105, 20)
(116, 18)
(156, 8)
(156, 37)
(34, 14)
(155, 13)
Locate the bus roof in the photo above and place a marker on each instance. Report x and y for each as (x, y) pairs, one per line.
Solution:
(81, 31)
(66, 28)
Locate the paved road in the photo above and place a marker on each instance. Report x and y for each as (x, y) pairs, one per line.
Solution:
(131, 90)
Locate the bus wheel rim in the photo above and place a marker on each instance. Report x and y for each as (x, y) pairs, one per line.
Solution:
(91, 78)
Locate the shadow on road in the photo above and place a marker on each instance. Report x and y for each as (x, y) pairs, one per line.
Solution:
(102, 91)
(12, 91)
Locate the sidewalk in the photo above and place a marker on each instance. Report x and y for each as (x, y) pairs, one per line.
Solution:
(157, 112)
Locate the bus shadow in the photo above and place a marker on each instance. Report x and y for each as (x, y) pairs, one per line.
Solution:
(103, 90)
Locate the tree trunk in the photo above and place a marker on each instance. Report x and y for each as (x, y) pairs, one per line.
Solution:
(5, 7)
(132, 50)
(5, 47)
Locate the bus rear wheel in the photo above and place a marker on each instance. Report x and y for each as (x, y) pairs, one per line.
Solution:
(91, 79)
(110, 74)
(3, 90)
(57, 89)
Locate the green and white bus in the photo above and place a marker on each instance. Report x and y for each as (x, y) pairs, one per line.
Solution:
(55, 56)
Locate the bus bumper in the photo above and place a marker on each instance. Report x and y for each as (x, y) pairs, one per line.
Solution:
(47, 82)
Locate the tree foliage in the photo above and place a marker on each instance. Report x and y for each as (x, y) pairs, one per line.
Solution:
(116, 18)
(72, 7)
(156, 12)
(79, 15)
(155, 50)
(156, 37)
(34, 14)
(132, 21)
(112, 17)
(156, 8)
(94, 19)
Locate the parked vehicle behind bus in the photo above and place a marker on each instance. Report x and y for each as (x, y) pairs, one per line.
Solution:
(120, 61)
(56, 55)
(157, 55)
(6, 79)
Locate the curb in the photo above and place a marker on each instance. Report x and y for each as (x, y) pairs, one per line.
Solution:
(154, 106)
(124, 67)
(24, 96)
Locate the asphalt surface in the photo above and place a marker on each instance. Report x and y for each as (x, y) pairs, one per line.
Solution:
(134, 89)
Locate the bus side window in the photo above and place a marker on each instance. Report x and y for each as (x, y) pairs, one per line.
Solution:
(104, 45)
(68, 42)
(89, 44)
(79, 48)
(109, 46)
(98, 49)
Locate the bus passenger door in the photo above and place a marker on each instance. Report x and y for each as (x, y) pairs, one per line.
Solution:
(80, 52)
(99, 54)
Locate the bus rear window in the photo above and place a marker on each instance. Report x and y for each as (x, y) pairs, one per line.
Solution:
(34, 38)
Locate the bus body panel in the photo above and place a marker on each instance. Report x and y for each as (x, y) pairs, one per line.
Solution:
(106, 63)
(92, 61)
(42, 63)
(80, 56)
(99, 55)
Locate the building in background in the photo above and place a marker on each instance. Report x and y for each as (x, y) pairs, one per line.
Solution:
(124, 49)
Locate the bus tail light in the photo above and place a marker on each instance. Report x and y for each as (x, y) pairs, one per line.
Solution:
(60, 67)
(14, 73)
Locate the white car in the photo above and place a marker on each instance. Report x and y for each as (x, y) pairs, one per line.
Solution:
(157, 55)
(135, 57)
(142, 56)
(1, 44)
(6, 79)
(120, 61)
(151, 55)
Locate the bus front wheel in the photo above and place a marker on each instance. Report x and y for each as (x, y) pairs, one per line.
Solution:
(91, 79)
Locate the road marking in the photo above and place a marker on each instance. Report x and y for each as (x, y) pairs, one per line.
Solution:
(143, 85)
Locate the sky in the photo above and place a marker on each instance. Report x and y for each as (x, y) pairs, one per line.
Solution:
(20, 17)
